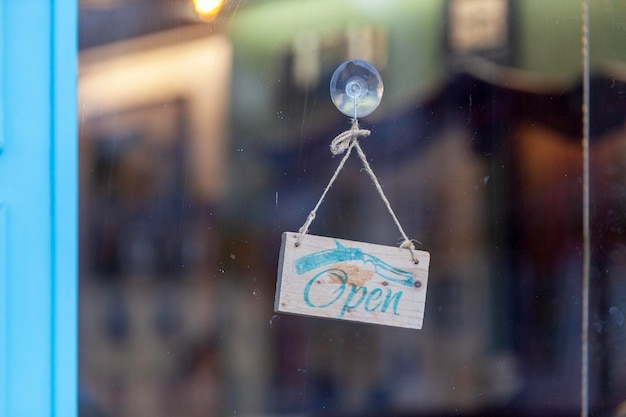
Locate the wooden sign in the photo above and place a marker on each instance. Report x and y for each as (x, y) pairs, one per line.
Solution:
(346, 280)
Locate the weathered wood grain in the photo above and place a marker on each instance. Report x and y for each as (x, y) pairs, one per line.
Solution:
(347, 280)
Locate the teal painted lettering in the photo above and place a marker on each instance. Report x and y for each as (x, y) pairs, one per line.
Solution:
(374, 295)
(338, 273)
(346, 305)
(395, 298)
(358, 296)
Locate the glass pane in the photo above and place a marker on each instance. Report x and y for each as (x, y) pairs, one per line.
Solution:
(607, 172)
(205, 136)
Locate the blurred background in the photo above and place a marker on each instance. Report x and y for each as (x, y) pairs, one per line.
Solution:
(204, 132)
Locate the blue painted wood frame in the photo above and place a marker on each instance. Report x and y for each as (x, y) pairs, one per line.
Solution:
(38, 208)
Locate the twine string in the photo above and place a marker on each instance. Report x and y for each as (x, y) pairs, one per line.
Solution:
(345, 142)
(305, 227)
(406, 243)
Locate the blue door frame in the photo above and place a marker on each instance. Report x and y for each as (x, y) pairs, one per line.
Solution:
(38, 208)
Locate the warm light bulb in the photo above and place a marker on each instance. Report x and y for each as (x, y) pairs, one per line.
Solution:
(207, 9)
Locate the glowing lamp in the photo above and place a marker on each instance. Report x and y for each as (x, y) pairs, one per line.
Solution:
(208, 10)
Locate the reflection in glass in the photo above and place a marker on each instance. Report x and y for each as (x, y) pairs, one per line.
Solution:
(202, 142)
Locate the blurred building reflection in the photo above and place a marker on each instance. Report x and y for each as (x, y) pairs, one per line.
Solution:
(201, 143)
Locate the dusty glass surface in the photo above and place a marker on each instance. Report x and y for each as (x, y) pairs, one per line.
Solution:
(204, 138)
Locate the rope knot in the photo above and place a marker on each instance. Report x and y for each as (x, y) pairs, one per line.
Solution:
(344, 140)
(407, 244)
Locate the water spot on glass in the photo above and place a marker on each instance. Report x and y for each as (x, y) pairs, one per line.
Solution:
(232, 256)
(485, 180)
(274, 320)
(617, 315)
(256, 293)
(598, 326)
(240, 149)
(279, 115)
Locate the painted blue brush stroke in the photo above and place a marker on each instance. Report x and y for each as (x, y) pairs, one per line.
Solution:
(343, 254)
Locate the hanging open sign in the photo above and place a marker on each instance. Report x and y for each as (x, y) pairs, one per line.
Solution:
(355, 281)
(346, 280)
